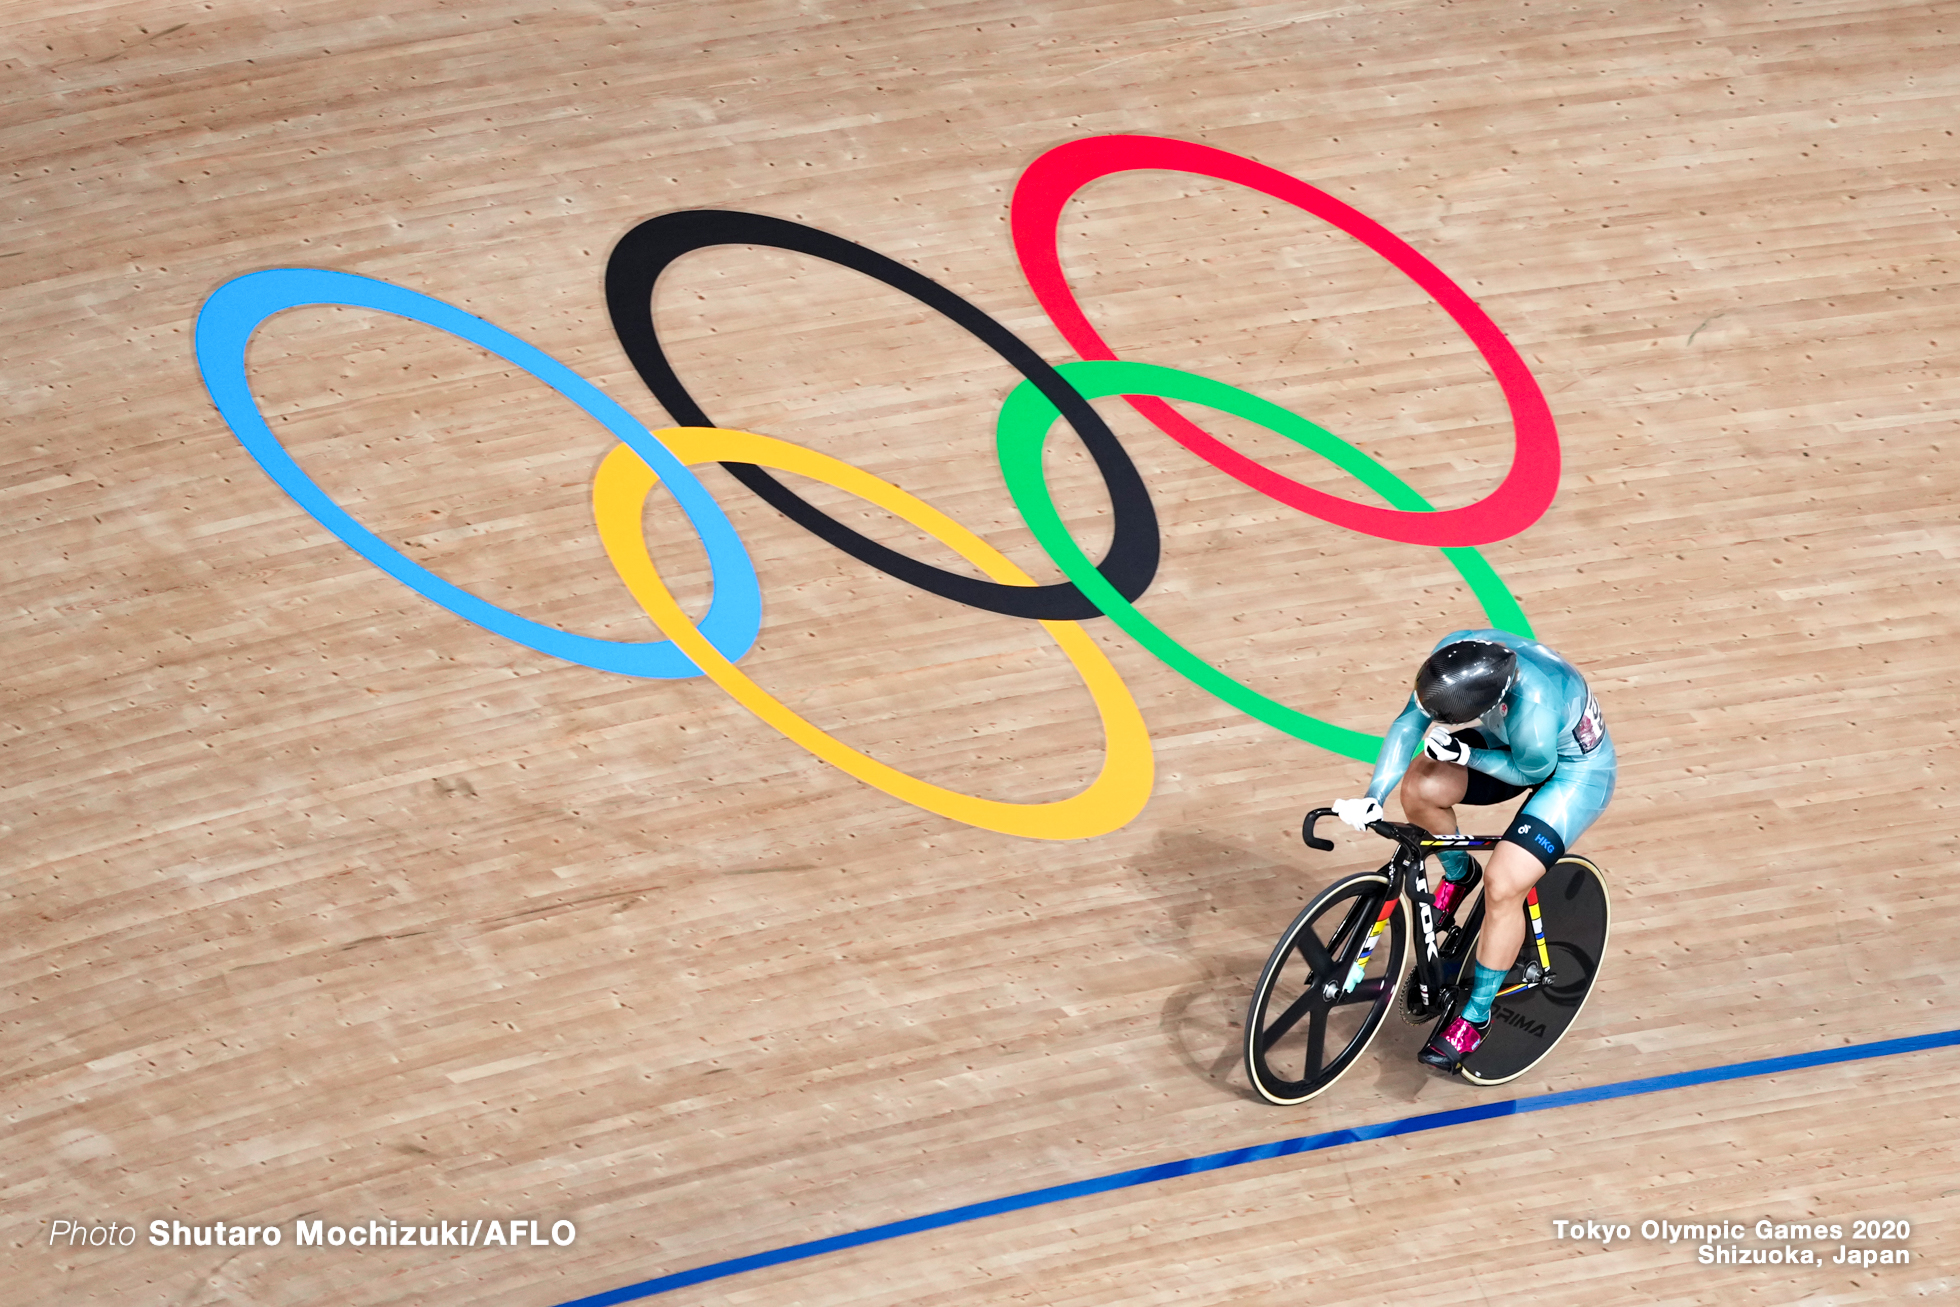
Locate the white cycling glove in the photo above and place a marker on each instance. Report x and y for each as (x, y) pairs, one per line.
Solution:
(1358, 812)
(1444, 747)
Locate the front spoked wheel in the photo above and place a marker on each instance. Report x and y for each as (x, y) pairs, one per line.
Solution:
(1326, 988)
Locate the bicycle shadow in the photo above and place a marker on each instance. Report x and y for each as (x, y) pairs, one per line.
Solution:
(1222, 901)
(1226, 903)
(1399, 1077)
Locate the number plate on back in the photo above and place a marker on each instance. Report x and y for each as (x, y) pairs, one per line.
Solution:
(1591, 728)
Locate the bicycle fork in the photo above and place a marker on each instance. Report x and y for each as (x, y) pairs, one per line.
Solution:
(1368, 945)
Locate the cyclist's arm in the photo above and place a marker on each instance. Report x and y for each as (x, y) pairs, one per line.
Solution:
(1400, 746)
(1532, 755)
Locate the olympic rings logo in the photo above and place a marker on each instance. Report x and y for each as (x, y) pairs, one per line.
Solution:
(1046, 394)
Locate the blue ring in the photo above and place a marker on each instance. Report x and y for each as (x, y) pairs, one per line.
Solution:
(236, 309)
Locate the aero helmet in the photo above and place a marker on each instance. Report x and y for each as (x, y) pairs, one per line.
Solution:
(1461, 682)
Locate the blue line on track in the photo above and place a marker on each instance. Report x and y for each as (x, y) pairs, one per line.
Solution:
(1408, 1125)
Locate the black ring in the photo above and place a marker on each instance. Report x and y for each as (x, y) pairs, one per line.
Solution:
(646, 251)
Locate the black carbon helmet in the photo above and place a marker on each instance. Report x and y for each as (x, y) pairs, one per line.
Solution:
(1461, 682)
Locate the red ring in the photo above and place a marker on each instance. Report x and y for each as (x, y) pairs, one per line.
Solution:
(1527, 489)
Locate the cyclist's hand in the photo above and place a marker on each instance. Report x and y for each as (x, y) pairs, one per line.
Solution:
(1358, 812)
(1444, 747)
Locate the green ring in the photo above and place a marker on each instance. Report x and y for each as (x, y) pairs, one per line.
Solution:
(1022, 431)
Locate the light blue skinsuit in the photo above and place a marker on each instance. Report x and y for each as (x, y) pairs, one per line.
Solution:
(1549, 727)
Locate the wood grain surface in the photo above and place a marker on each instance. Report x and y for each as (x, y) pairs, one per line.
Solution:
(320, 902)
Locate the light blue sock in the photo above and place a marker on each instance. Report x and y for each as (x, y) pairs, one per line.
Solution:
(1456, 863)
(1483, 991)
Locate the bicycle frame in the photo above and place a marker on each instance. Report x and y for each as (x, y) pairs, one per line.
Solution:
(1406, 876)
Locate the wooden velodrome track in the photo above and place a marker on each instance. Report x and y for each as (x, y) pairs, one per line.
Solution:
(324, 903)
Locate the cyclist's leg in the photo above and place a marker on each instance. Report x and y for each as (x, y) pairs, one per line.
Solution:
(1559, 810)
(1430, 792)
(1555, 816)
(1513, 870)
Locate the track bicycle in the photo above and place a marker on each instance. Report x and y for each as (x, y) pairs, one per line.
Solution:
(1334, 972)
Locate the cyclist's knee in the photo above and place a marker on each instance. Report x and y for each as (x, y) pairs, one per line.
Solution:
(1432, 784)
(1511, 874)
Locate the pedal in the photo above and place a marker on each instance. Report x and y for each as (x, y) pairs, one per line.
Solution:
(1451, 945)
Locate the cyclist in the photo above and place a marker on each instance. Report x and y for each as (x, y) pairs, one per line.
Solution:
(1496, 715)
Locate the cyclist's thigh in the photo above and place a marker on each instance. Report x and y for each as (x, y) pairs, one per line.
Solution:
(1576, 794)
(1481, 790)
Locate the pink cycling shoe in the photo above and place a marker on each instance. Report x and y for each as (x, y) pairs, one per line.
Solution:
(1452, 894)
(1453, 1041)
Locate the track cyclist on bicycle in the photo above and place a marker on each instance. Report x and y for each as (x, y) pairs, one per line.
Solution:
(1496, 715)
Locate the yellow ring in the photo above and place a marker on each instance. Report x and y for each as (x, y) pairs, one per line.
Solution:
(619, 493)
